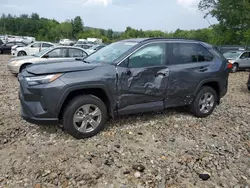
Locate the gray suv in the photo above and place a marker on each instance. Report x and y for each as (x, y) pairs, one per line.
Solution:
(240, 60)
(125, 77)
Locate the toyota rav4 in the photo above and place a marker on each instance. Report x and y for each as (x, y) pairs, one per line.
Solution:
(125, 77)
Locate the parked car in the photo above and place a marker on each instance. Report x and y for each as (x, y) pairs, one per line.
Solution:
(248, 83)
(125, 77)
(55, 54)
(6, 48)
(66, 42)
(31, 49)
(95, 48)
(239, 59)
(83, 46)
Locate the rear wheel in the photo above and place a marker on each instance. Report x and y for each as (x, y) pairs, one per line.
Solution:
(21, 53)
(85, 116)
(205, 102)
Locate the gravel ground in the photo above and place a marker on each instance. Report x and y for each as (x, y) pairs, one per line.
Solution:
(167, 149)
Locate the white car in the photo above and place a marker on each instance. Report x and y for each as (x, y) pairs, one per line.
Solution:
(66, 42)
(50, 55)
(95, 48)
(31, 49)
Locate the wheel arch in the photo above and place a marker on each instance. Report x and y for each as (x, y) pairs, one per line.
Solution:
(100, 91)
(214, 83)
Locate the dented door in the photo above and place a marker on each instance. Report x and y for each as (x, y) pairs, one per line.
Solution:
(145, 78)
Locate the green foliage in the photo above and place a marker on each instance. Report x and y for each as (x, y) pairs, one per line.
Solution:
(51, 30)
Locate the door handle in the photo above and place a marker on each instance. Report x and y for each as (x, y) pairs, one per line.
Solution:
(128, 72)
(203, 69)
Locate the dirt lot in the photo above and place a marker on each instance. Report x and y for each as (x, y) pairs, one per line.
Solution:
(172, 146)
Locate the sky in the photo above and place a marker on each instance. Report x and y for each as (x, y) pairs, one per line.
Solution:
(165, 15)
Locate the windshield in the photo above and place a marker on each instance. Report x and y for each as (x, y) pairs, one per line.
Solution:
(232, 55)
(39, 54)
(111, 52)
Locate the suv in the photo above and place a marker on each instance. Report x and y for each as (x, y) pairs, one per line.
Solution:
(238, 59)
(129, 76)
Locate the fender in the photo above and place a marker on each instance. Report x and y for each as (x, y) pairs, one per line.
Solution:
(70, 89)
(204, 82)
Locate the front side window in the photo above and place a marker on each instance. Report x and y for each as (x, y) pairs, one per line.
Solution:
(76, 53)
(148, 56)
(184, 53)
(36, 45)
(10, 44)
(245, 55)
(57, 53)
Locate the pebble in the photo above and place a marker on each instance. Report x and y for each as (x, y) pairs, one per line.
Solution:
(137, 174)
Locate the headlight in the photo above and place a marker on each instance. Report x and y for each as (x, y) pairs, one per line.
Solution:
(230, 61)
(42, 79)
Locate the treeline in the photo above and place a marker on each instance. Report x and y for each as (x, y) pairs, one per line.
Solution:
(52, 30)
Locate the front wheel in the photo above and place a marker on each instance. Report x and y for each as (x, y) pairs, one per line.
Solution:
(85, 116)
(21, 53)
(205, 102)
(234, 68)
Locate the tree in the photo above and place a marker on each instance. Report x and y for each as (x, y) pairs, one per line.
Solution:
(231, 14)
(77, 25)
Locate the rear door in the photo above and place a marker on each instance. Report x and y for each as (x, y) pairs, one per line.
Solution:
(189, 64)
(143, 79)
(76, 54)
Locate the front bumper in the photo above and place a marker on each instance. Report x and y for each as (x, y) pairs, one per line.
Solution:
(13, 69)
(39, 103)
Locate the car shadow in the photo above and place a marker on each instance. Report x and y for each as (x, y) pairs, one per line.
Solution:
(120, 121)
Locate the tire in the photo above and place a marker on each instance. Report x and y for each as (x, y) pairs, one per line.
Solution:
(71, 116)
(196, 107)
(24, 67)
(21, 53)
(235, 68)
(1, 51)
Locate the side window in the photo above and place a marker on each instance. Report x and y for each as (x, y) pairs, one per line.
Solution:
(46, 45)
(36, 45)
(58, 53)
(20, 44)
(245, 55)
(148, 56)
(184, 53)
(76, 53)
(10, 44)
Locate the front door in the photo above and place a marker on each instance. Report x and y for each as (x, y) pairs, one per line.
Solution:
(34, 48)
(143, 79)
(244, 61)
(56, 55)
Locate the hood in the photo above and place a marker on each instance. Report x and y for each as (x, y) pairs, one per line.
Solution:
(60, 67)
(22, 58)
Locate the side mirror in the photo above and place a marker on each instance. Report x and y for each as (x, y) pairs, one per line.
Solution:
(46, 56)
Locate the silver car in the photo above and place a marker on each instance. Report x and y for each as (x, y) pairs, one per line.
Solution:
(238, 59)
(54, 54)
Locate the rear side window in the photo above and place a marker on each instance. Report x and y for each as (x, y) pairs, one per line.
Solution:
(184, 53)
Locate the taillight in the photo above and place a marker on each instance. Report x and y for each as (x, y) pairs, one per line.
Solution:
(229, 65)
